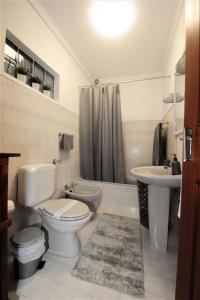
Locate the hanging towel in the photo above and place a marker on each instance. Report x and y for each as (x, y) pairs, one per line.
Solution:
(159, 145)
(66, 142)
(180, 66)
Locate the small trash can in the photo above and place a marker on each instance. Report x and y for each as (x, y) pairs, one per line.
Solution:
(28, 246)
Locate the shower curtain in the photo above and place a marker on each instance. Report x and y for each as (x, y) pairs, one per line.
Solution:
(101, 140)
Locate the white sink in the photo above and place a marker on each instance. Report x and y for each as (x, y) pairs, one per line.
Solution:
(159, 180)
(157, 175)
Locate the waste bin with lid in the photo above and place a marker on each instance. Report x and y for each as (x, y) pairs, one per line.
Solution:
(28, 246)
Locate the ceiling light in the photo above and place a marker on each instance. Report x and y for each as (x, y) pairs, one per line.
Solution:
(112, 17)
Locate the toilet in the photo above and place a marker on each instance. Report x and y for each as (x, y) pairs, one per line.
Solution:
(62, 218)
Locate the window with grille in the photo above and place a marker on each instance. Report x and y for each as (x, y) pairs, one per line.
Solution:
(15, 56)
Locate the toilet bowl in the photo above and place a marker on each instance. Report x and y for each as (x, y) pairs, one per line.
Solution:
(62, 218)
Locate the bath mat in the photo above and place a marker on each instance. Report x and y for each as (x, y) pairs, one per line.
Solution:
(113, 256)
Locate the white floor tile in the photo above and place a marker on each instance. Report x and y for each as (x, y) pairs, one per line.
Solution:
(82, 296)
(61, 273)
(49, 257)
(107, 293)
(57, 271)
(167, 258)
(23, 298)
(43, 288)
(159, 268)
(13, 296)
(104, 294)
(146, 296)
(55, 282)
(161, 286)
(23, 284)
(69, 261)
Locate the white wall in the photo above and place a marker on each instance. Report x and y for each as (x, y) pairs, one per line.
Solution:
(142, 109)
(177, 48)
(30, 126)
(30, 122)
(138, 144)
(23, 21)
(176, 51)
(142, 100)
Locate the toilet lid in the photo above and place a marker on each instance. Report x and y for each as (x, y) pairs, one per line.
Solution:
(27, 236)
(65, 209)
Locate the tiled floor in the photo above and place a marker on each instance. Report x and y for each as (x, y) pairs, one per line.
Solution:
(55, 282)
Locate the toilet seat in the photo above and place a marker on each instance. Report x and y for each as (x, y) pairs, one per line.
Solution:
(64, 209)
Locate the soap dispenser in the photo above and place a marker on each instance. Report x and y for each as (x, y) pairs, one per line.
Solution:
(176, 166)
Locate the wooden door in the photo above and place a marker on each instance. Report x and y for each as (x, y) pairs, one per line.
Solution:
(3, 228)
(188, 274)
(4, 223)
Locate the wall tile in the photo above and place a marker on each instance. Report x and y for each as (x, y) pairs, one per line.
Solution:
(138, 144)
(30, 125)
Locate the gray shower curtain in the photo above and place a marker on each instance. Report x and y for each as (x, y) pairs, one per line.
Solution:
(101, 140)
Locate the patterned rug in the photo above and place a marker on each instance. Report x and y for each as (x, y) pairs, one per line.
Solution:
(113, 256)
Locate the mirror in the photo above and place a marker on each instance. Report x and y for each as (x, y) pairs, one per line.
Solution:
(179, 104)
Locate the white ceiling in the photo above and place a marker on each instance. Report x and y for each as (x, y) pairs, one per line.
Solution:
(139, 52)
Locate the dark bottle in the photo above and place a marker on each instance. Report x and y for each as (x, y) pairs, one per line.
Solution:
(176, 166)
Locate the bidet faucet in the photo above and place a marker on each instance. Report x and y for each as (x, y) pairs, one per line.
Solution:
(56, 161)
(68, 187)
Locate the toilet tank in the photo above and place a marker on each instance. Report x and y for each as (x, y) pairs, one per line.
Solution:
(36, 183)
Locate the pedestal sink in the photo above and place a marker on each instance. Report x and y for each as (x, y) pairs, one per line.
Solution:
(160, 181)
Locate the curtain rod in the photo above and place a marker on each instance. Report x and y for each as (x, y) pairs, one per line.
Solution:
(125, 81)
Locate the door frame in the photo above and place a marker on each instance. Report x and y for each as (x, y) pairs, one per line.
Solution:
(188, 271)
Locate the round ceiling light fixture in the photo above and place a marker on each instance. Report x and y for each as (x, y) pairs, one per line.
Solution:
(112, 17)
